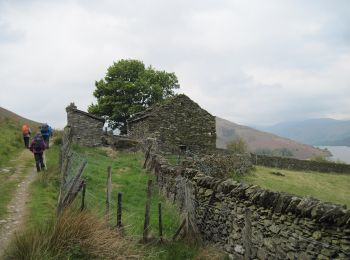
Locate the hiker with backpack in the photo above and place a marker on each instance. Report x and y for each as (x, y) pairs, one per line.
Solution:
(26, 132)
(38, 147)
(46, 132)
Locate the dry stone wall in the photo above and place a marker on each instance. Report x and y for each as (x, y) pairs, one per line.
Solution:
(299, 165)
(86, 129)
(254, 223)
(223, 165)
(178, 121)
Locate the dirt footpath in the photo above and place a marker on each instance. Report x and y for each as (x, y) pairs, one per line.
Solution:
(17, 208)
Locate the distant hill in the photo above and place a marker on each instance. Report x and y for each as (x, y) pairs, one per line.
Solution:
(321, 131)
(6, 115)
(262, 142)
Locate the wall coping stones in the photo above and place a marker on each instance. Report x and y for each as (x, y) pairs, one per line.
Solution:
(281, 202)
(73, 108)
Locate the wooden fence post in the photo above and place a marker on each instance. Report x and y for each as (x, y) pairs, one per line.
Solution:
(108, 192)
(83, 197)
(119, 210)
(148, 205)
(160, 222)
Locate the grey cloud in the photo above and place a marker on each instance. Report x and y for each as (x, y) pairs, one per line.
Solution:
(62, 47)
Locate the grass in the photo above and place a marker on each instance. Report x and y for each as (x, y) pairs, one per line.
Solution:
(10, 179)
(130, 179)
(11, 144)
(40, 242)
(330, 187)
(11, 140)
(6, 191)
(75, 235)
(44, 190)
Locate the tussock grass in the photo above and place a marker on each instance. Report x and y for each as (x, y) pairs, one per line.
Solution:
(74, 235)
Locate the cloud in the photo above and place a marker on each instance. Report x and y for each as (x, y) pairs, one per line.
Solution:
(241, 60)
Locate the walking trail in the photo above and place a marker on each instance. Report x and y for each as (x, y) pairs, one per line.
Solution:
(17, 208)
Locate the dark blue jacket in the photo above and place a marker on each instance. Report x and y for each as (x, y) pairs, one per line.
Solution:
(46, 132)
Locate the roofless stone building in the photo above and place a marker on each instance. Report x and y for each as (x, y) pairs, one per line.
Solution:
(86, 129)
(177, 121)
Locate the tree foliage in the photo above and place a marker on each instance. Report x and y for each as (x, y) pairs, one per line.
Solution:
(129, 87)
(238, 145)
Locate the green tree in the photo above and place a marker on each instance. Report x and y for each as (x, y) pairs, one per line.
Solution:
(237, 145)
(129, 87)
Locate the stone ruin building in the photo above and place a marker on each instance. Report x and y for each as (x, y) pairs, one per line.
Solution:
(86, 129)
(177, 121)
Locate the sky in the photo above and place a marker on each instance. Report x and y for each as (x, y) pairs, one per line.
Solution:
(252, 62)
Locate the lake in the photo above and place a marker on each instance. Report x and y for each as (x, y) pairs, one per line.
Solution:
(339, 153)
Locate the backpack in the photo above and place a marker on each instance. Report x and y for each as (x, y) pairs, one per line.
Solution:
(25, 129)
(37, 144)
(44, 129)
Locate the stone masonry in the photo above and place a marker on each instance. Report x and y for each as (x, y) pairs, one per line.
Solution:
(87, 129)
(250, 222)
(177, 121)
(299, 165)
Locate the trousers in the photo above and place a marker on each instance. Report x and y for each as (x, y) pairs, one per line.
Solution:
(39, 162)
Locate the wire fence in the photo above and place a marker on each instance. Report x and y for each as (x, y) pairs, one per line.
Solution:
(72, 166)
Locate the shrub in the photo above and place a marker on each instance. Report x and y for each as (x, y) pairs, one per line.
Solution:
(57, 140)
(238, 145)
(71, 236)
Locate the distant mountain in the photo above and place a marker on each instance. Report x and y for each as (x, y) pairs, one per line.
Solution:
(262, 142)
(321, 131)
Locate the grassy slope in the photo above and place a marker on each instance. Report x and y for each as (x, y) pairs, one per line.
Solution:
(11, 140)
(324, 186)
(11, 144)
(129, 178)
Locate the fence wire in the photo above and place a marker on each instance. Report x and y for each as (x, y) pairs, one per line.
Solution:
(72, 166)
(75, 162)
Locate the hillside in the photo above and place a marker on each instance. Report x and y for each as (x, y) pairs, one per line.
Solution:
(11, 138)
(258, 141)
(320, 131)
(8, 115)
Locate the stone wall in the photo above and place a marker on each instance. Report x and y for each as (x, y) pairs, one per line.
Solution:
(120, 142)
(86, 128)
(222, 165)
(178, 121)
(248, 221)
(299, 165)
